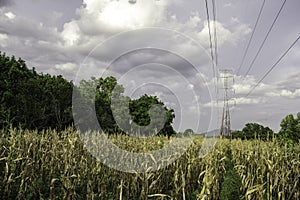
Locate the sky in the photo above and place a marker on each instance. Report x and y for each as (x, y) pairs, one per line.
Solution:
(162, 48)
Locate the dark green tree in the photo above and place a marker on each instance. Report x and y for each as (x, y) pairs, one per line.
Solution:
(31, 100)
(107, 88)
(187, 133)
(150, 110)
(254, 131)
(290, 128)
(238, 134)
(117, 113)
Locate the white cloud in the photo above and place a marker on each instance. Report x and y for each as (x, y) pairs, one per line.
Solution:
(285, 93)
(67, 66)
(71, 33)
(99, 20)
(239, 33)
(190, 86)
(223, 34)
(194, 20)
(236, 101)
(216, 104)
(108, 16)
(10, 15)
(289, 88)
(243, 85)
(3, 39)
(122, 15)
(244, 100)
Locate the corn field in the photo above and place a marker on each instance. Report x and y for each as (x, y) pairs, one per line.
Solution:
(56, 165)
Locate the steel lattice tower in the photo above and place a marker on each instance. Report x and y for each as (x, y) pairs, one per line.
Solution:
(225, 123)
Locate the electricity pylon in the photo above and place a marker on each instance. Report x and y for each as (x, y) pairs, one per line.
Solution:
(226, 76)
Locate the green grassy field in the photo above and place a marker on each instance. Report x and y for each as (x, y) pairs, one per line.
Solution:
(51, 165)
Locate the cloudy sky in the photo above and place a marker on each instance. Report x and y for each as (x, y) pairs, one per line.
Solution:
(161, 47)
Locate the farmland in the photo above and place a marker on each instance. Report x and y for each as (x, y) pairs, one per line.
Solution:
(56, 165)
(150, 100)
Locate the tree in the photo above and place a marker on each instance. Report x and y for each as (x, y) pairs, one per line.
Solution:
(254, 131)
(31, 100)
(117, 113)
(107, 90)
(188, 132)
(290, 128)
(149, 111)
(238, 134)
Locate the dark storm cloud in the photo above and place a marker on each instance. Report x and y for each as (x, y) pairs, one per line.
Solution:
(3, 31)
(4, 3)
(144, 56)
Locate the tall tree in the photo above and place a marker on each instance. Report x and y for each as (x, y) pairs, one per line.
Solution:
(290, 128)
(31, 100)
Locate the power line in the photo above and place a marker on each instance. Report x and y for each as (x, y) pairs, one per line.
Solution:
(273, 66)
(250, 40)
(215, 30)
(210, 38)
(261, 46)
(216, 53)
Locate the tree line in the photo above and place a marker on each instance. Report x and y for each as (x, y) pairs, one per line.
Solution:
(31, 100)
(289, 132)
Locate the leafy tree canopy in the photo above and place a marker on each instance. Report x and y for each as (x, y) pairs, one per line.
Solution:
(30, 100)
(290, 128)
(118, 113)
(254, 131)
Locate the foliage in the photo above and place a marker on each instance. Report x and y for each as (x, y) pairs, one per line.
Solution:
(230, 188)
(117, 113)
(141, 115)
(187, 133)
(231, 184)
(290, 128)
(31, 100)
(254, 131)
(238, 134)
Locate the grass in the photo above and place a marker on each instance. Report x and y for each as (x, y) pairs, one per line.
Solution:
(52, 165)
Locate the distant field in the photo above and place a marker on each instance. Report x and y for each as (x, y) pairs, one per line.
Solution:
(53, 165)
